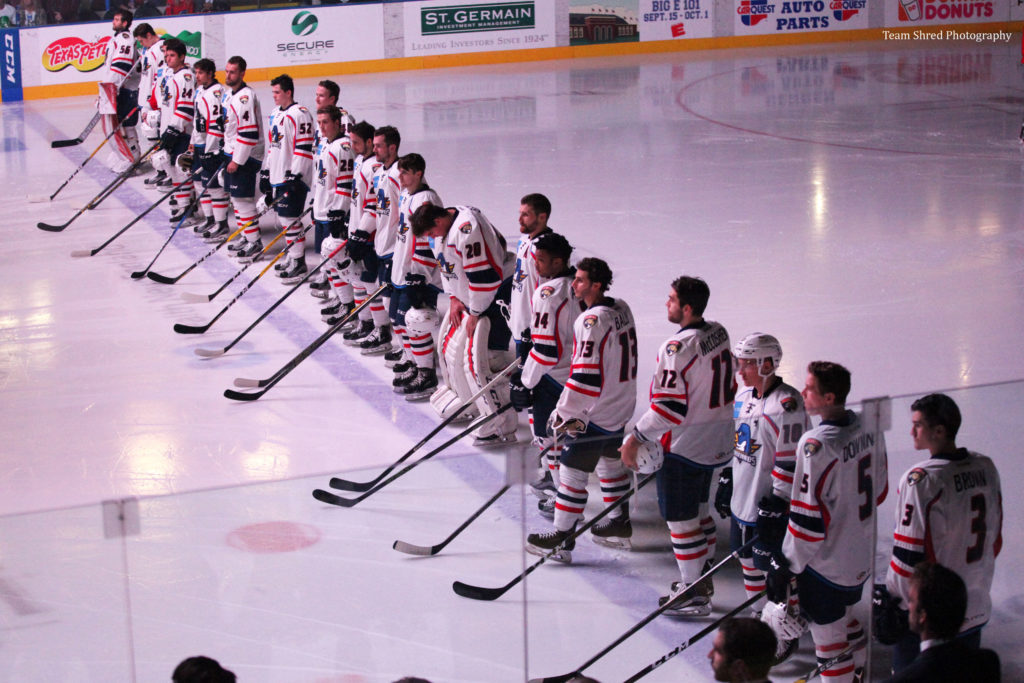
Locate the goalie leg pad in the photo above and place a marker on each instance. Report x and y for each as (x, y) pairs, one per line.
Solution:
(481, 366)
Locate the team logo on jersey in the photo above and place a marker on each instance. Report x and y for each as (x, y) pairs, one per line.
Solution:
(275, 135)
(589, 321)
(744, 441)
(244, 99)
(811, 446)
(672, 348)
(789, 404)
(545, 292)
(466, 228)
(915, 475)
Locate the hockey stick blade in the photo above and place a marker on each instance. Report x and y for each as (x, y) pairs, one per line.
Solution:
(139, 274)
(246, 383)
(56, 144)
(410, 549)
(209, 353)
(328, 497)
(196, 298)
(82, 253)
(239, 396)
(52, 228)
(479, 592)
(162, 279)
(345, 484)
(190, 329)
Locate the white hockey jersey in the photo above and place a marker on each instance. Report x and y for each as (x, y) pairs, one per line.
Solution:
(121, 58)
(950, 511)
(290, 144)
(555, 310)
(841, 476)
(413, 255)
(692, 396)
(601, 388)
(243, 126)
(473, 259)
(177, 101)
(524, 283)
(764, 454)
(152, 61)
(332, 185)
(389, 200)
(208, 130)
(363, 215)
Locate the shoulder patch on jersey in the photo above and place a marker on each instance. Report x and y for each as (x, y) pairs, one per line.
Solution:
(811, 446)
(789, 404)
(915, 475)
(243, 99)
(672, 348)
(545, 292)
(466, 227)
(589, 321)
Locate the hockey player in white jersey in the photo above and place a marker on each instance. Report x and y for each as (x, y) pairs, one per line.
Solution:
(332, 200)
(477, 275)
(949, 510)
(288, 172)
(416, 281)
(177, 110)
(243, 150)
(690, 412)
(118, 93)
(769, 420)
(152, 60)
(207, 141)
(545, 370)
(828, 544)
(362, 225)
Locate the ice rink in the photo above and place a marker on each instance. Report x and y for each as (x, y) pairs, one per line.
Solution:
(861, 202)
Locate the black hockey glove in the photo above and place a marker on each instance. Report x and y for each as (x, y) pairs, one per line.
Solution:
(170, 138)
(359, 245)
(415, 280)
(524, 347)
(776, 580)
(293, 183)
(723, 497)
(337, 223)
(772, 518)
(520, 397)
(890, 621)
(265, 187)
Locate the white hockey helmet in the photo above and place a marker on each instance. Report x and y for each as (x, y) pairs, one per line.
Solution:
(422, 320)
(649, 457)
(759, 347)
(785, 624)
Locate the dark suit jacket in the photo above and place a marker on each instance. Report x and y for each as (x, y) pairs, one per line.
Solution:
(951, 662)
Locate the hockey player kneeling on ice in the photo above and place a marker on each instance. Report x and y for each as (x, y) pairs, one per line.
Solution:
(476, 271)
(591, 414)
(691, 413)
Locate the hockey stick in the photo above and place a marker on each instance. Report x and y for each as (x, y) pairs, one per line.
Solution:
(346, 485)
(164, 280)
(213, 353)
(480, 593)
(79, 253)
(327, 497)
(411, 549)
(672, 601)
(82, 136)
(204, 298)
(192, 205)
(88, 158)
(191, 329)
(710, 628)
(103, 194)
(832, 661)
(266, 384)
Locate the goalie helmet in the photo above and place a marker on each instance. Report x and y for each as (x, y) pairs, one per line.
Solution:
(785, 624)
(422, 320)
(759, 347)
(184, 162)
(649, 457)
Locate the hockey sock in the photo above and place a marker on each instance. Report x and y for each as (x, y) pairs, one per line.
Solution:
(855, 633)
(379, 312)
(554, 464)
(571, 498)
(245, 213)
(690, 547)
(830, 641)
(182, 186)
(219, 203)
(707, 525)
(359, 296)
(295, 237)
(753, 581)
(422, 348)
(615, 482)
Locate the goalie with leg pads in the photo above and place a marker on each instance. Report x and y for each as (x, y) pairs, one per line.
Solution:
(118, 92)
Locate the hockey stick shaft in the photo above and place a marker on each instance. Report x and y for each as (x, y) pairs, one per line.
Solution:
(303, 355)
(674, 599)
(345, 485)
(88, 159)
(710, 628)
(164, 280)
(410, 549)
(121, 179)
(480, 593)
(93, 252)
(327, 497)
(832, 661)
(139, 274)
(210, 354)
(81, 137)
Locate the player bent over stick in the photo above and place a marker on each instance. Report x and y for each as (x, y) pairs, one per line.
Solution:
(691, 414)
(598, 398)
(477, 272)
